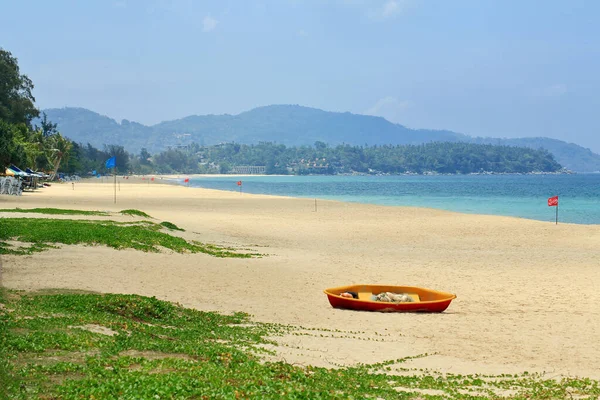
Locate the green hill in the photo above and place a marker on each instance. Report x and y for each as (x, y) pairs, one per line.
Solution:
(85, 126)
(286, 124)
(291, 125)
(572, 156)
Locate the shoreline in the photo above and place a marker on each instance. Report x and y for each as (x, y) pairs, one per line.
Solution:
(513, 312)
(169, 182)
(182, 176)
(142, 179)
(178, 181)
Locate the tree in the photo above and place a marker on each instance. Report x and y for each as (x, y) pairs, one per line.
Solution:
(74, 161)
(224, 168)
(16, 98)
(34, 147)
(7, 145)
(122, 157)
(47, 128)
(145, 157)
(60, 148)
(320, 145)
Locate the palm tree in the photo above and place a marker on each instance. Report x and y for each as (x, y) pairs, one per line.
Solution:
(59, 147)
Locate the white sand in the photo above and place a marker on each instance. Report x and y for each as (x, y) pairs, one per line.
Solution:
(528, 291)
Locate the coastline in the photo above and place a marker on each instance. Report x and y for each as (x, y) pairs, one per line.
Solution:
(427, 173)
(520, 196)
(511, 313)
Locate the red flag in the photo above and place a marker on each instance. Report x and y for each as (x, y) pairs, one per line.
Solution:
(186, 180)
(152, 179)
(553, 201)
(239, 183)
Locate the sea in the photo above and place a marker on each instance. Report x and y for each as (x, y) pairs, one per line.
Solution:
(523, 196)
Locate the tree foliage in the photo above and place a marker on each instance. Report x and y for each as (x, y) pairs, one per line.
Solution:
(84, 159)
(443, 158)
(10, 151)
(16, 98)
(40, 148)
(121, 156)
(59, 147)
(47, 127)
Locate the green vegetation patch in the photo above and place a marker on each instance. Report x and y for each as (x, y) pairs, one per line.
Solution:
(53, 211)
(7, 248)
(119, 346)
(139, 235)
(172, 226)
(136, 213)
(442, 157)
(73, 346)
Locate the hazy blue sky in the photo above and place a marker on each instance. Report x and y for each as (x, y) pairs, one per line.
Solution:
(485, 68)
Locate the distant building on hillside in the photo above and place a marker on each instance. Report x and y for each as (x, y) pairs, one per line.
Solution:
(248, 170)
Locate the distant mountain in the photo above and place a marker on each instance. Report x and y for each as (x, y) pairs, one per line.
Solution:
(286, 124)
(291, 125)
(85, 126)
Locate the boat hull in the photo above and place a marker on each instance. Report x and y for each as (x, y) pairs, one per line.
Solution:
(429, 301)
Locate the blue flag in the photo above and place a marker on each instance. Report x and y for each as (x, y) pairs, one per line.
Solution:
(111, 162)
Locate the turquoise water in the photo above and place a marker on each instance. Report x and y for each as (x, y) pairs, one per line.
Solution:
(522, 196)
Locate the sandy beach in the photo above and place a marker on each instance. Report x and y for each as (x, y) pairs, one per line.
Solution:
(528, 297)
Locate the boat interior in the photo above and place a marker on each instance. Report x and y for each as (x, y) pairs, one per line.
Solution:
(367, 292)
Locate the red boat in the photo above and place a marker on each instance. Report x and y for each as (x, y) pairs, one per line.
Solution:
(364, 298)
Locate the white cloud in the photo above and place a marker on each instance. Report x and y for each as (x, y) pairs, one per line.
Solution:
(379, 10)
(209, 23)
(302, 33)
(390, 8)
(389, 108)
(387, 10)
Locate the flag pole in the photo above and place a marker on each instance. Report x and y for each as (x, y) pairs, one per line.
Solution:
(557, 213)
(115, 175)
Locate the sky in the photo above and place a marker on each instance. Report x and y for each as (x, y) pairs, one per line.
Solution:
(508, 68)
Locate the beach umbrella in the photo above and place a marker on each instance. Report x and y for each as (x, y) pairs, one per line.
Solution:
(32, 173)
(17, 171)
